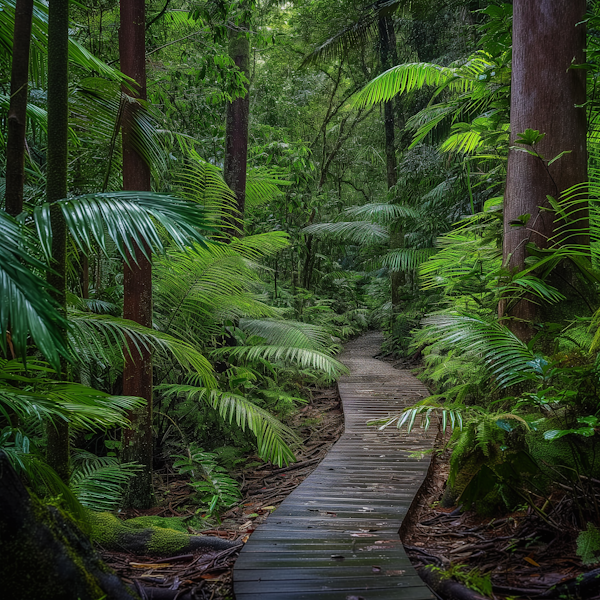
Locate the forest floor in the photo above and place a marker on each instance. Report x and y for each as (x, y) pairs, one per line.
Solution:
(516, 554)
(506, 555)
(319, 425)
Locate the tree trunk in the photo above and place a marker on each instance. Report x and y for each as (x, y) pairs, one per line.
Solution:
(236, 135)
(547, 95)
(17, 112)
(137, 302)
(387, 50)
(56, 189)
(44, 554)
(385, 42)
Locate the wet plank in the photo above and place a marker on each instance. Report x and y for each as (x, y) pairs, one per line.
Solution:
(336, 536)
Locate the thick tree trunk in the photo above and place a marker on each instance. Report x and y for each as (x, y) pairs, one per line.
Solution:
(137, 301)
(17, 112)
(56, 189)
(547, 95)
(44, 554)
(236, 136)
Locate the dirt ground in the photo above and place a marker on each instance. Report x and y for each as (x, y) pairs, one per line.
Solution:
(319, 425)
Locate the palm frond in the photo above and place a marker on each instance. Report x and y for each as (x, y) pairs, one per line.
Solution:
(90, 334)
(383, 212)
(98, 482)
(99, 109)
(407, 259)
(202, 182)
(406, 78)
(288, 333)
(303, 357)
(354, 36)
(39, 35)
(128, 219)
(28, 462)
(272, 436)
(358, 232)
(263, 185)
(44, 399)
(509, 360)
(262, 245)
(26, 308)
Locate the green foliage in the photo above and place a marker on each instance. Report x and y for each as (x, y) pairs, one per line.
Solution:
(214, 487)
(472, 578)
(99, 482)
(588, 545)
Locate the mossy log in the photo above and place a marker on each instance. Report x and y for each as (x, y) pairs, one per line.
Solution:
(446, 587)
(44, 553)
(140, 536)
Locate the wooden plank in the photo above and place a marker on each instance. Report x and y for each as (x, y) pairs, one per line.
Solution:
(416, 593)
(335, 537)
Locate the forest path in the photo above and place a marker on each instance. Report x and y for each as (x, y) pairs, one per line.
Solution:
(335, 537)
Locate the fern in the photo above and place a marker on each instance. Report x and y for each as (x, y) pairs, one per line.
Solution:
(211, 482)
(100, 482)
(271, 435)
(588, 545)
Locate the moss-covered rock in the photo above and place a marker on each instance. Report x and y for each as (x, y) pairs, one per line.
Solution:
(150, 535)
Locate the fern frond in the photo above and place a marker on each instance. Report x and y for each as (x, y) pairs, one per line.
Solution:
(507, 357)
(302, 357)
(90, 334)
(358, 232)
(406, 78)
(272, 436)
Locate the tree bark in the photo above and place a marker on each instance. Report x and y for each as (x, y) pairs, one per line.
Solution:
(547, 95)
(137, 302)
(385, 42)
(44, 554)
(236, 135)
(56, 189)
(17, 112)
(387, 51)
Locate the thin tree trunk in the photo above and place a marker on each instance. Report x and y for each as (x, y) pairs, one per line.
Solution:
(387, 50)
(137, 302)
(56, 189)
(547, 95)
(236, 135)
(17, 112)
(388, 107)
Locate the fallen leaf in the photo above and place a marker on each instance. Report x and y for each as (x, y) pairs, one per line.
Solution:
(376, 569)
(531, 561)
(149, 566)
(212, 576)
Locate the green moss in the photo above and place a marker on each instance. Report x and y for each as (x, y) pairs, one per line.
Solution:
(175, 523)
(152, 535)
(570, 454)
(166, 541)
(46, 534)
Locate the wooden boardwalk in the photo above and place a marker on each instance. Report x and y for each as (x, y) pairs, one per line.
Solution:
(336, 536)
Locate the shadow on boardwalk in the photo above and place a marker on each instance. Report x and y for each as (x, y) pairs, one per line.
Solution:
(336, 536)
